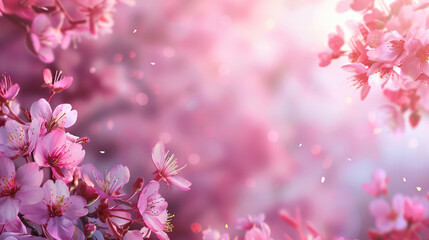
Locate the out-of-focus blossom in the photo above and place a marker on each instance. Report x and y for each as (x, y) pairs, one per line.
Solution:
(44, 38)
(167, 168)
(18, 188)
(58, 210)
(250, 221)
(62, 156)
(378, 185)
(210, 234)
(262, 233)
(389, 217)
(106, 186)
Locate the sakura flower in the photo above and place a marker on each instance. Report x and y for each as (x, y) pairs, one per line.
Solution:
(153, 208)
(17, 139)
(336, 41)
(378, 185)
(388, 217)
(44, 38)
(390, 47)
(250, 221)
(8, 90)
(18, 188)
(62, 156)
(210, 234)
(325, 59)
(58, 211)
(62, 117)
(259, 234)
(360, 79)
(97, 11)
(167, 168)
(414, 211)
(58, 83)
(360, 5)
(107, 186)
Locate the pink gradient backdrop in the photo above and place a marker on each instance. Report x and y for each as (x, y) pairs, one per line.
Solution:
(233, 88)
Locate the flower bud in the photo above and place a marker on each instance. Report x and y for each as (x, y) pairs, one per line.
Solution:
(138, 184)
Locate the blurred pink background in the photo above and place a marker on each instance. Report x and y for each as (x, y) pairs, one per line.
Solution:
(233, 88)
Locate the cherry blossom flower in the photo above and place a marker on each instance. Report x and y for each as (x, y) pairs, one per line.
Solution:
(98, 12)
(167, 168)
(62, 156)
(18, 188)
(388, 217)
(250, 221)
(58, 210)
(17, 139)
(44, 38)
(15, 226)
(8, 90)
(58, 83)
(259, 234)
(107, 186)
(62, 117)
(378, 185)
(153, 208)
(210, 234)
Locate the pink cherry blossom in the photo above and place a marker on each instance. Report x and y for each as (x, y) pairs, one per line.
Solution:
(19, 236)
(153, 208)
(98, 13)
(360, 79)
(414, 210)
(62, 117)
(62, 156)
(15, 226)
(262, 233)
(8, 90)
(167, 168)
(58, 210)
(18, 188)
(17, 139)
(378, 185)
(58, 83)
(107, 186)
(44, 38)
(388, 217)
(250, 221)
(211, 234)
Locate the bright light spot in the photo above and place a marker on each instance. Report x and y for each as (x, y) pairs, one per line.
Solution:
(377, 131)
(419, 189)
(102, 152)
(226, 225)
(404, 179)
(322, 180)
(153, 63)
(135, 30)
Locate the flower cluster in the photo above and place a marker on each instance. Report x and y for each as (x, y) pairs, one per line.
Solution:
(389, 48)
(51, 195)
(402, 218)
(53, 23)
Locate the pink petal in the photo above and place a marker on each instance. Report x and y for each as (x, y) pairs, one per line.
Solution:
(364, 92)
(180, 182)
(12, 92)
(133, 235)
(40, 23)
(15, 226)
(76, 207)
(29, 174)
(7, 168)
(153, 223)
(158, 155)
(355, 68)
(60, 228)
(9, 208)
(151, 188)
(119, 176)
(41, 109)
(29, 194)
(142, 203)
(46, 54)
(63, 84)
(37, 213)
(47, 76)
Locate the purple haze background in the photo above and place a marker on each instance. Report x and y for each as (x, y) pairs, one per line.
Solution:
(233, 88)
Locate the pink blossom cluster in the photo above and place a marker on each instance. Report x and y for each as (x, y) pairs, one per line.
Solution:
(52, 23)
(402, 217)
(388, 49)
(255, 228)
(51, 195)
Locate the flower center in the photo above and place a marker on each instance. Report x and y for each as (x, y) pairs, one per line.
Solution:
(8, 186)
(57, 210)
